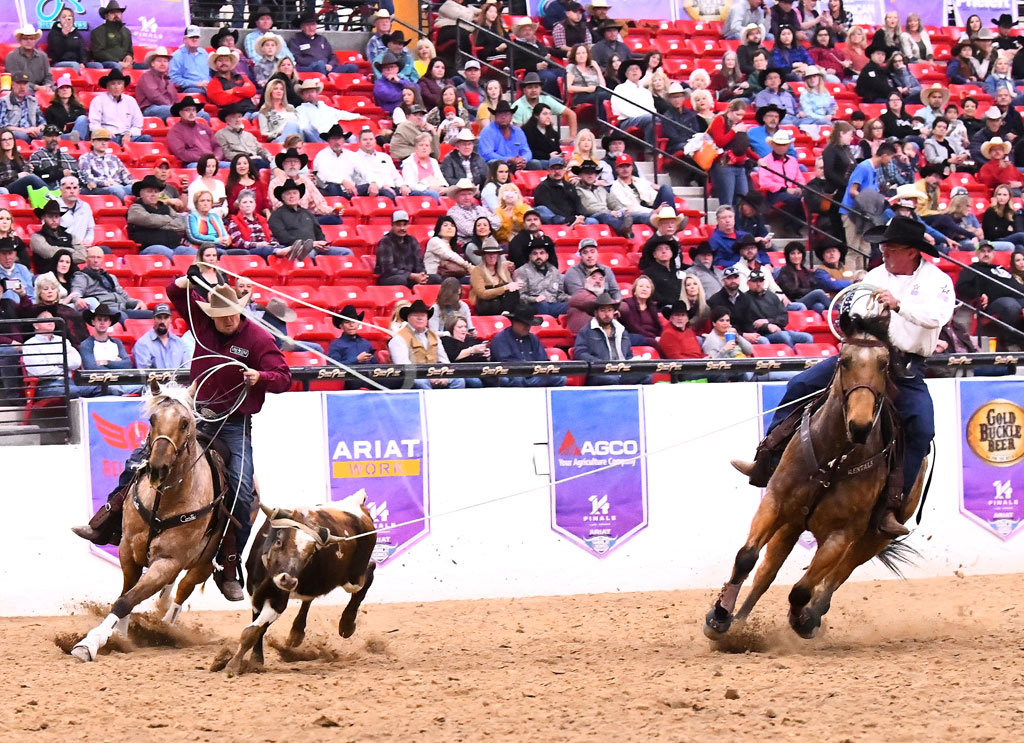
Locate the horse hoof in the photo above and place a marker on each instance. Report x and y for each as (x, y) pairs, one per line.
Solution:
(807, 624)
(295, 639)
(347, 627)
(716, 624)
(83, 653)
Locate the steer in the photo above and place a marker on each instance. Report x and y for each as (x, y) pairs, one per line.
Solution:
(305, 553)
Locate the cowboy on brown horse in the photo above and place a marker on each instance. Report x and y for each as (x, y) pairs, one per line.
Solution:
(236, 364)
(920, 300)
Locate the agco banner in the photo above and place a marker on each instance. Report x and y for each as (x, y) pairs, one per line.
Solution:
(590, 430)
(113, 429)
(379, 443)
(992, 454)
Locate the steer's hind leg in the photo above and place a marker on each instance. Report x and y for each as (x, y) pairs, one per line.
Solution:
(298, 631)
(347, 623)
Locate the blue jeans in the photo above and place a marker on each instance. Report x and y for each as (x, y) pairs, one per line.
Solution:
(435, 195)
(67, 63)
(320, 67)
(645, 122)
(555, 309)
(237, 434)
(730, 182)
(289, 129)
(610, 220)
(336, 189)
(789, 337)
(168, 252)
(119, 138)
(453, 384)
(549, 81)
(335, 250)
(55, 388)
(540, 380)
(549, 217)
(121, 192)
(913, 404)
(20, 185)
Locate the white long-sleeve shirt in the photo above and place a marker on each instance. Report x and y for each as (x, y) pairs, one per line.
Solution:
(376, 168)
(333, 167)
(926, 300)
(43, 356)
(640, 101)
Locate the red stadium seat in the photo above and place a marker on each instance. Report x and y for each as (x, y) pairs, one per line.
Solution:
(807, 321)
(645, 353)
(315, 329)
(302, 292)
(372, 233)
(815, 349)
(113, 237)
(427, 292)
(151, 270)
(302, 358)
(298, 272)
(336, 297)
(251, 266)
(771, 350)
(345, 270)
(528, 180)
(384, 297)
(421, 207)
(151, 295)
(16, 205)
(488, 326)
(344, 235)
(105, 206)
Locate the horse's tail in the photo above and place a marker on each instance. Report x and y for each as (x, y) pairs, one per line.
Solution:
(896, 555)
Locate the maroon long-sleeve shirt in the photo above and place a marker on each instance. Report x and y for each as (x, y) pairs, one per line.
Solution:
(154, 89)
(250, 344)
(189, 142)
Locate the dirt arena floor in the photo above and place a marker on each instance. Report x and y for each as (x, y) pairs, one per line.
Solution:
(936, 660)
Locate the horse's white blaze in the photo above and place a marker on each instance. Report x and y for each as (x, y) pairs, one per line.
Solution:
(266, 616)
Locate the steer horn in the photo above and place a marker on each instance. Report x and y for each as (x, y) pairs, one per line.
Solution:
(273, 513)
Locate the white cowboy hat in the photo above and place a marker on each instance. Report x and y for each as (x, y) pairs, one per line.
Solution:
(600, 4)
(224, 302)
(223, 51)
(782, 137)
(268, 37)
(382, 13)
(311, 83)
(813, 70)
(160, 51)
(665, 212)
(999, 142)
(936, 88)
(465, 136)
(27, 30)
(907, 195)
(750, 27)
(675, 88)
(464, 184)
(993, 113)
(523, 21)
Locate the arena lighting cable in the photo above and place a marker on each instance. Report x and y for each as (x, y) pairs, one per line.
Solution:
(605, 468)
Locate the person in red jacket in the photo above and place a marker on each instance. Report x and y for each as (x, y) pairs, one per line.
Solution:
(227, 87)
(678, 341)
(728, 173)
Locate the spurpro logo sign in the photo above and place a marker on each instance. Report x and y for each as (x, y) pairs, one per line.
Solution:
(610, 448)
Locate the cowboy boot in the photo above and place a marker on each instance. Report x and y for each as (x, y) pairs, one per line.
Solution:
(760, 470)
(105, 526)
(890, 526)
(227, 578)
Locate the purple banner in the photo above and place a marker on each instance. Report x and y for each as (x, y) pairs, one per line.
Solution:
(590, 430)
(114, 428)
(992, 454)
(155, 23)
(378, 442)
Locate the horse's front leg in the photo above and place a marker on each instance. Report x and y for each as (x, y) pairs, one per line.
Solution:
(159, 575)
(775, 555)
(804, 619)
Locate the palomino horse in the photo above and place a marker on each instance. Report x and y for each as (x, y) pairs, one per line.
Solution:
(843, 438)
(168, 519)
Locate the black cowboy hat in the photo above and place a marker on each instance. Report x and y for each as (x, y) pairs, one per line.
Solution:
(349, 313)
(150, 181)
(767, 71)
(307, 16)
(51, 207)
(335, 131)
(756, 200)
(606, 300)
(651, 245)
(524, 313)
(607, 139)
(819, 251)
(102, 310)
(114, 76)
(238, 107)
(743, 241)
(288, 154)
(395, 37)
(185, 103)
(386, 59)
(289, 185)
(417, 306)
(703, 247)
(934, 169)
(759, 114)
(902, 231)
(222, 33)
(503, 107)
(631, 62)
(587, 166)
(259, 13)
(671, 309)
(1005, 20)
(608, 24)
(112, 5)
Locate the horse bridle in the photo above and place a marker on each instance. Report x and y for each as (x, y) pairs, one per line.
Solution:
(879, 397)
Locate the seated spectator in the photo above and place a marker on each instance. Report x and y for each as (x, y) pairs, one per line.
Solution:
(27, 60)
(265, 65)
(449, 305)
(226, 37)
(466, 211)
(666, 224)
(350, 347)
(511, 210)
(832, 260)
(541, 283)
(94, 285)
(154, 223)
(190, 137)
(103, 172)
(64, 43)
(374, 172)
(542, 136)
(190, 67)
(557, 201)
(531, 236)
(637, 196)
(704, 269)
(723, 239)
(15, 175)
(723, 342)
(999, 220)
(576, 275)
(204, 273)
(77, 217)
(227, 87)
(62, 268)
(789, 56)
(960, 70)
(100, 351)
(493, 93)
(17, 276)
(517, 343)
(570, 30)
(395, 43)
(773, 92)
(169, 192)
(378, 43)
(67, 113)
(463, 349)
(633, 104)
(160, 348)
(51, 295)
(998, 169)
(441, 254)
(387, 90)
(768, 120)
(312, 51)
(19, 112)
(207, 168)
(604, 340)
(995, 290)
(314, 115)
(639, 313)
(825, 55)
(155, 92)
(781, 181)
(110, 43)
(483, 230)
(49, 162)
(582, 301)
(262, 20)
(464, 162)
(292, 164)
(678, 341)
(903, 79)
(817, 106)
(403, 141)
(492, 288)
(334, 164)
(44, 355)
(52, 237)
(770, 313)
(740, 307)
(525, 107)
(800, 285)
(205, 226)
(247, 158)
(531, 55)
(278, 119)
(659, 262)
(470, 92)
(399, 256)
(291, 222)
(415, 343)
(609, 43)
(503, 140)
(249, 230)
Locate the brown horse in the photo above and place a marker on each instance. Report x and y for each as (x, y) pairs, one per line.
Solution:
(843, 437)
(169, 518)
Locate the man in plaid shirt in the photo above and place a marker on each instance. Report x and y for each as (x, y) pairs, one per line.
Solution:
(50, 163)
(102, 172)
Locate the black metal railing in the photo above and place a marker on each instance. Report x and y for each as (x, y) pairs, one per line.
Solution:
(34, 380)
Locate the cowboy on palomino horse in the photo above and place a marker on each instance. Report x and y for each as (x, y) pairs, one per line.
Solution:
(920, 300)
(223, 335)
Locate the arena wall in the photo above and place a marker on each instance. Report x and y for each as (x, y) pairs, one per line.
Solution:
(485, 444)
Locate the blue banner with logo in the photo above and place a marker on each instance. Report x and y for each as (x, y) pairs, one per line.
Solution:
(114, 428)
(378, 443)
(589, 430)
(992, 454)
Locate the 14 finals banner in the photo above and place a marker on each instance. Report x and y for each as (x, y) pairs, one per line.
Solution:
(591, 430)
(154, 22)
(379, 443)
(992, 454)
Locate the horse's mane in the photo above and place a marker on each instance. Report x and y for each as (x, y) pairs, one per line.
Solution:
(172, 391)
(875, 326)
